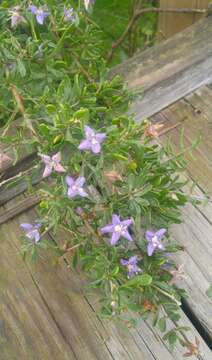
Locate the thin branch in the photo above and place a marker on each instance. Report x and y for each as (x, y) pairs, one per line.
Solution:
(165, 293)
(139, 13)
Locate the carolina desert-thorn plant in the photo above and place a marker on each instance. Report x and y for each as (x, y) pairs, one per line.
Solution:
(113, 189)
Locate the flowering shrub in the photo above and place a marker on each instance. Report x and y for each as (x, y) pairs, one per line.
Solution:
(114, 190)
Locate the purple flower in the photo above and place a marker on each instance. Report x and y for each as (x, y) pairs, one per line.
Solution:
(93, 140)
(39, 13)
(118, 228)
(69, 15)
(75, 187)
(16, 18)
(52, 163)
(131, 265)
(154, 240)
(88, 3)
(32, 231)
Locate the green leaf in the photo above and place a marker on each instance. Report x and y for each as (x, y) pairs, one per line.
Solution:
(115, 271)
(119, 157)
(139, 280)
(21, 68)
(44, 129)
(162, 324)
(209, 292)
(82, 114)
(172, 338)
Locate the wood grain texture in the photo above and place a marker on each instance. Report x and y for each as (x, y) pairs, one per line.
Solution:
(170, 70)
(22, 206)
(170, 24)
(46, 315)
(194, 115)
(14, 187)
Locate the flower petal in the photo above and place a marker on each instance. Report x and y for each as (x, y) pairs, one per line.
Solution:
(89, 132)
(33, 9)
(72, 193)
(149, 235)
(160, 233)
(69, 180)
(47, 171)
(115, 219)
(80, 181)
(150, 249)
(85, 145)
(127, 222)
(107, 229)
(100, 137)
(36, 236)
(45, 158)
(57, 157)
(127, 236)
(37, 225)
(26, 226)
(133, 260)
(96, 148)
(40, 17)
(59, 168)
(82, 192)
(115, 238)
(124, 262)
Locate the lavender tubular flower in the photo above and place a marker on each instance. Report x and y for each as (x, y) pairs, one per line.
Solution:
(39, 13)
(118, 229)
(93, 140)
(131, 265)
(32, 231)
(154, 240)
(16, 17)
(52, 163)
(75, 187)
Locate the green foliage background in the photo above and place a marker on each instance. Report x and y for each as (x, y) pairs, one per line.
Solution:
(113, 16)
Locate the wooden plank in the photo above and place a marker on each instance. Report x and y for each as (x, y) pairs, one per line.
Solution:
(22, 206)
(16, 185)
(45, 314)
(170, 24)
(195, 235)
(194, 114)
(201, 4)
(170, 70)
(43, 317)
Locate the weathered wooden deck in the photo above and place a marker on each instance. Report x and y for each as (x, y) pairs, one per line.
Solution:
(44, 311)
